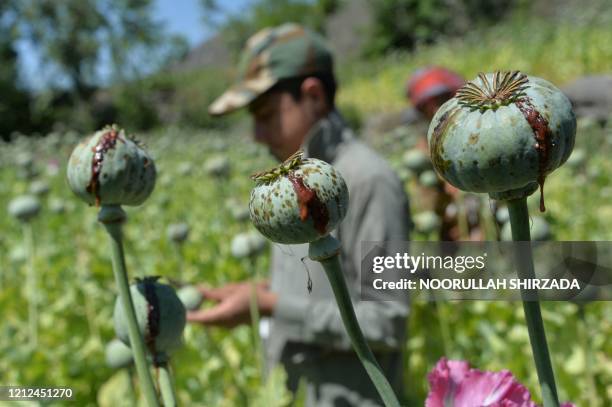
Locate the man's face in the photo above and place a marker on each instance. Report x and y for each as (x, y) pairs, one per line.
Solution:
(282, 123)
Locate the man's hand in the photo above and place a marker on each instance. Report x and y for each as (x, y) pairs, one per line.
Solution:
(233, 304)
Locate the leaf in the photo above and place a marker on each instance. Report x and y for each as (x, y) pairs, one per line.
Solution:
(116, 391)
(274, 392)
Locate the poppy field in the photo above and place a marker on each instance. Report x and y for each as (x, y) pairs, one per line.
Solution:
(58, 292)
(74, 293)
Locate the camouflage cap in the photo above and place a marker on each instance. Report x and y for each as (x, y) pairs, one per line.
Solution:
(272, 54)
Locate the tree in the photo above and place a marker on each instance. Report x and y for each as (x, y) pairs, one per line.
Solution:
(77, 37)
(404, 24)
(14, 102)
(237, 28)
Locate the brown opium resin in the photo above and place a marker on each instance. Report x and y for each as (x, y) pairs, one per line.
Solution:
(542, 134)
(106, 142)
(309, 204)
(153, 316)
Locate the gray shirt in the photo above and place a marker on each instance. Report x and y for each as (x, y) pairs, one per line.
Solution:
(306, 328)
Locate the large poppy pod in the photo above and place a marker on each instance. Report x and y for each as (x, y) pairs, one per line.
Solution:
(502, 133)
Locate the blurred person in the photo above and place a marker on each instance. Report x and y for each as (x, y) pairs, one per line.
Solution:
(427, 90)
(286, 81)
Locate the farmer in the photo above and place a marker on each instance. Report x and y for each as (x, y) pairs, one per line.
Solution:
(427, 90)
(286, 81)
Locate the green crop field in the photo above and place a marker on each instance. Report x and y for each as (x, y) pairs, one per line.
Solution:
(74, 289)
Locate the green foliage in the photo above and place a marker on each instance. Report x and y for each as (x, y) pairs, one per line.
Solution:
(166, 98)
(14, 103)
(237, 28)
(273, 393)
(134, 105)
(75, 35)
(405, 24)
(352, 115)
(195, 91)
(76, 39)
(556, 50)
(182, 98)
(217, 367)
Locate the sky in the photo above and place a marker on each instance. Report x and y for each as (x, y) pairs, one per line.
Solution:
(185, 16)
(182, 17)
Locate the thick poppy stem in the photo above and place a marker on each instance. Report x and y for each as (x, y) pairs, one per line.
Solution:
(166, 385)
(519, 222)
(131, 384)
(326, 251)
(112, 217)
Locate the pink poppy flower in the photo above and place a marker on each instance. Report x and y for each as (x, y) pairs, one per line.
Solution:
(454, 384)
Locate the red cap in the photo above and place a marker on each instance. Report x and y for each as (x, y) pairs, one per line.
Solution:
(432, 81)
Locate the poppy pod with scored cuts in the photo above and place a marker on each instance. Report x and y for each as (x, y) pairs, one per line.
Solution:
(502, 133)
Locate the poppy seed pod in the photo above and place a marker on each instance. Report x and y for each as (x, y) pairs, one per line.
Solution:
(427, 222)
(190, 296)
(502, 133)
(109, 168)
(178, 232)
(416, 161)
(502, 215)
(218, 166)
(57, 205)
(247, 244)
(429, 179)
(118, 354)
(300, 201)
(24, 207)
(40, 188)
(160, 314)
(239, 211)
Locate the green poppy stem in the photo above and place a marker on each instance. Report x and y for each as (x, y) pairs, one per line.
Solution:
(584, 336)
(129, 371)
(443, 324)
(178, 252)
(166, 385)
(255, 318)
(326, 251)
(519, 222)
(84, 275)
(112, 217)
(462, 219)
(251, 266)
(31, 286)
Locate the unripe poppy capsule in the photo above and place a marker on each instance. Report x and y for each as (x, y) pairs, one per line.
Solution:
(40, 188)
(109, 168)
(502, 133)
(178, 232)
(118, 355)
(300, 201)
(247, 244)
(24, 207)
(190, 296)
(160, 314)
